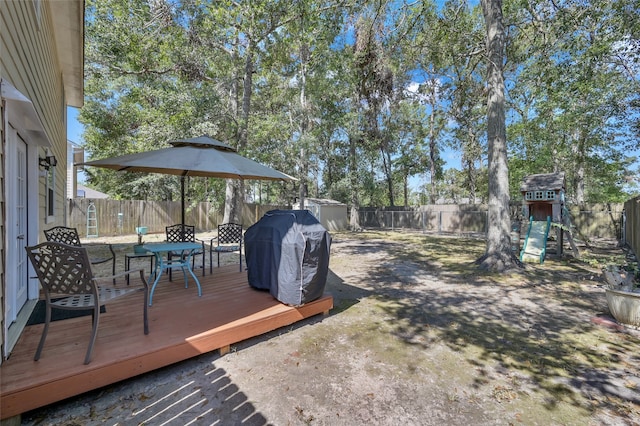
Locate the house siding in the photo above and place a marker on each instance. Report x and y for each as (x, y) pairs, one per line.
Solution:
(2, 229)
(29, 62)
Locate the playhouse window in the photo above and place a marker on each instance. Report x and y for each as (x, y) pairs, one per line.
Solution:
(540, 195)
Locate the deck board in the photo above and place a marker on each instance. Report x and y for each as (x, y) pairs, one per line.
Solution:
(181, 326)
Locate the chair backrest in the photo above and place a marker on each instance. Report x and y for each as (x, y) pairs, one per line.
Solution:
(62, 269)
(181, 233)
(62, 234)
(230, 233)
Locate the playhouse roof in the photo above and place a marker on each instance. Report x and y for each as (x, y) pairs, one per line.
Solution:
(543, 182)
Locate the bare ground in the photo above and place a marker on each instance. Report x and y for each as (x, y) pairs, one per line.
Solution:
(418, 336)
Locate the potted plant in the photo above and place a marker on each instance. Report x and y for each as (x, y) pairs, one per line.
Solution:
(141, 231)
(623, 297)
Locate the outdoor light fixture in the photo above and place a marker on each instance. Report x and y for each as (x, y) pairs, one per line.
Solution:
(48, 161)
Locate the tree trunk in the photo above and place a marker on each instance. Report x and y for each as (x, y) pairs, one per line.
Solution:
(405, 188)
(386, 161)
(354, 221)
(433, 189)
(578, 154)
(304, 128)
(471, 179)
(233, 201)
(498, 256)
(302, 193)
(234, 194)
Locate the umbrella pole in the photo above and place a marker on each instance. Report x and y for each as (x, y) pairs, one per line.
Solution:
(182, 205)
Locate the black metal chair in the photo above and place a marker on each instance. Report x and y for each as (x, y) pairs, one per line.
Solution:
(229, 240)
(65, 273)
(70, 236)
(184, 233)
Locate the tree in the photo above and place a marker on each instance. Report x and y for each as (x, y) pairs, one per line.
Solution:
(375, 88)
(251, 24)
(572, 66)
(498, 256)
(448, 54)
(326, 91)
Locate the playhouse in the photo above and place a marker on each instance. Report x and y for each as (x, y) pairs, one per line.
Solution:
(543, 200)
(543, 196)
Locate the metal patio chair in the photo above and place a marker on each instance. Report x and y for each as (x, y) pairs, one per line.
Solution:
(65, 274)
(229, 240)
(184, 233)
(70, 236)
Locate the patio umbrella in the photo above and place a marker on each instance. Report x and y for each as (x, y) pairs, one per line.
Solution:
(201, 156)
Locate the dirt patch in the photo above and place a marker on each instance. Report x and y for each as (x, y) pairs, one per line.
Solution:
(418, 336)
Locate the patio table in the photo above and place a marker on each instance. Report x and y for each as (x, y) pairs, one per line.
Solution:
(182, 262)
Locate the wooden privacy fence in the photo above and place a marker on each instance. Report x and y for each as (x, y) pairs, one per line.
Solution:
(590, 221)
(121, 217)
(597, 220)
(631, 234)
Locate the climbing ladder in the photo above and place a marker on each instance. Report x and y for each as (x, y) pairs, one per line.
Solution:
(92, 221)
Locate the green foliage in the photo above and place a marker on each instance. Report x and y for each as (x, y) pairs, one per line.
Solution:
(357, 98)
(573, 96)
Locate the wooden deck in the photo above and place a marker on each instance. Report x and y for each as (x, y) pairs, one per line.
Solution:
(181, 325)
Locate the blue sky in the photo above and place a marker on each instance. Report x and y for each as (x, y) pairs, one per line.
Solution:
(74, 128)
(74, 132)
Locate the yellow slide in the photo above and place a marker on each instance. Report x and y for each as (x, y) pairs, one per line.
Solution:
(535, 243)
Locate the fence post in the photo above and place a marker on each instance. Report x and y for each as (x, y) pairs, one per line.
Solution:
(486, 223)
(120, 222)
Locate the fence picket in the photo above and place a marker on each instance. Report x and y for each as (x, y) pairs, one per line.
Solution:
(122, 216)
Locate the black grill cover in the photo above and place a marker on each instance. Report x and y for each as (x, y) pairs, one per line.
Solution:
(287, 253)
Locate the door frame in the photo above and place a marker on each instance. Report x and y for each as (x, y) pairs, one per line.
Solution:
(14, 109)
(16, 269)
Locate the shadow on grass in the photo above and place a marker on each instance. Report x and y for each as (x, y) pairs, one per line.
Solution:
(536, 322)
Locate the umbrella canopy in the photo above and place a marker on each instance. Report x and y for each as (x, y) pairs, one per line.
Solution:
(201, 156)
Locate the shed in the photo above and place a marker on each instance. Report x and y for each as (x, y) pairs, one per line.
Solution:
(331, 214)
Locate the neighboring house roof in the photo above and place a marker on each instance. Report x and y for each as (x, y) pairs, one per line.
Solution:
(85, 192)
(543, 182)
